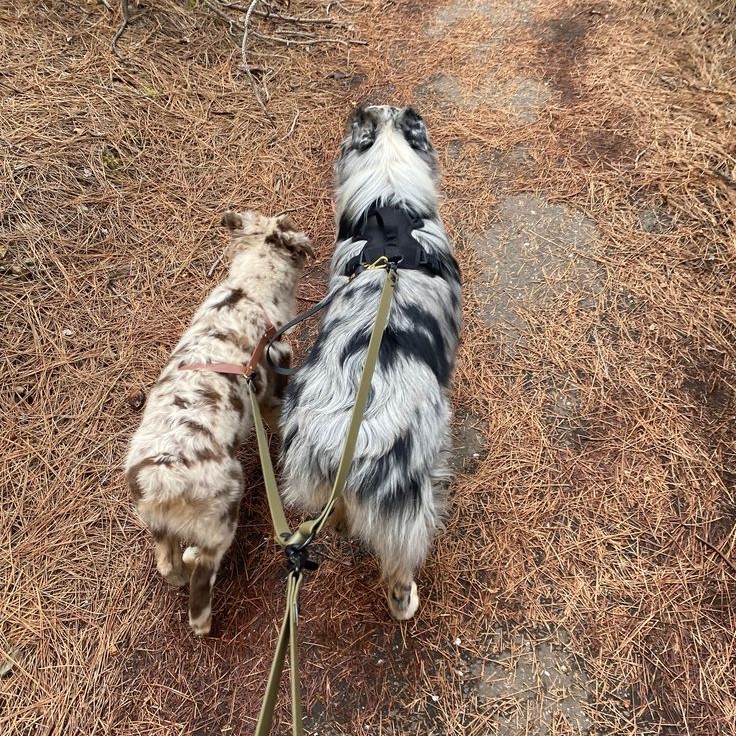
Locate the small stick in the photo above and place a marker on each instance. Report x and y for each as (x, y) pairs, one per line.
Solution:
(121, 28)
(246, 65)
(292, 209)
(290, 131)
(349, 11)
(285, 18)
(290, 42)
(717, 551)
(218, 11)
(212, 268)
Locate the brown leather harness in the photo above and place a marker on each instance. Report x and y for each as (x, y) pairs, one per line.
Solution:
(238, 369)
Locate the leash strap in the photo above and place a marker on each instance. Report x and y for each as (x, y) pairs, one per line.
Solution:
(278, 333)
(295, 544)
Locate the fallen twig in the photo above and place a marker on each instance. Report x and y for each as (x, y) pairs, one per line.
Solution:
(285, 18)
(307, 42)
(349, 11)
(121, 28)
(221, 14)
(290, 131)
(246, 65)
(715, 549)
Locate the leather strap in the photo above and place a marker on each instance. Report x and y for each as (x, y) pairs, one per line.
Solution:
(236, 368)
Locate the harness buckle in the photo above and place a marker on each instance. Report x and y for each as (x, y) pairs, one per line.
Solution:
(297, 555)
(297, 558)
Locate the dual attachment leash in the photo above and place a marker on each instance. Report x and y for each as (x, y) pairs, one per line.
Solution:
(296, 544)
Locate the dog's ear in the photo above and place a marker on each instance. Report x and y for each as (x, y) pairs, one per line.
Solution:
(288, 237)
(414, 130)
(363, 129)
(232, 221)
(298, 243)
(285, 223)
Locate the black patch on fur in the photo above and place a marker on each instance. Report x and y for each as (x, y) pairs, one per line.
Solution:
(291, 399)
(178, 401)
(407, 496)
(449, 270)
(415, 131)
(422, 342)
(323, 337)
(231, 299)
(366, 291)
(363, 130)
(287, 441)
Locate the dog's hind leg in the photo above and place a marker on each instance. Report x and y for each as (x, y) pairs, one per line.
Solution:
(169, 559)
(338, 519)
(204, 571)
(402, 544)
(203, 561)
(403, 598)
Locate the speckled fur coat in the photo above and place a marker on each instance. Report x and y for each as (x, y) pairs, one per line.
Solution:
(181, 467)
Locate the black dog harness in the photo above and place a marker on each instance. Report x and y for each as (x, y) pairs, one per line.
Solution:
(388, 234)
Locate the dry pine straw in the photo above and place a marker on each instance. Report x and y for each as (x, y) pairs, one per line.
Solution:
(115, 172)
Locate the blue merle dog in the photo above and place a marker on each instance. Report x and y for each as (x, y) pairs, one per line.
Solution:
(386, 190)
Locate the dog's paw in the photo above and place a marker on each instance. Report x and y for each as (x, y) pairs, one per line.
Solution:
(202, 626)
(177, 578)
(403, 601)
(190, 556)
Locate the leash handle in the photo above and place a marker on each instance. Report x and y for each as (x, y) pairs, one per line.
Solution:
(287, 637)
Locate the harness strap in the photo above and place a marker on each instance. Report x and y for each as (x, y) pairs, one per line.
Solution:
(295, 543)
(388, 232)
(241, 370)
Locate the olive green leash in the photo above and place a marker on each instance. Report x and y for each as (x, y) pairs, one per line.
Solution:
(295, 544)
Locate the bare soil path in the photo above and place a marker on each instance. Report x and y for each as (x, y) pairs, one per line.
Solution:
(585, 583)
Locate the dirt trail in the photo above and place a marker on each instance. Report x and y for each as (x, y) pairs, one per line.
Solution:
(585, 582)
